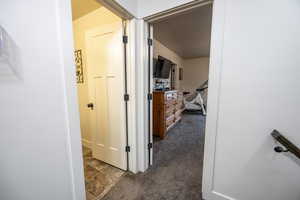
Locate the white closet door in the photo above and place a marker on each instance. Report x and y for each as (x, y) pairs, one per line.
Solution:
(106, 67)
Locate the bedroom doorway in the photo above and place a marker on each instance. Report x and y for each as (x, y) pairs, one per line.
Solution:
(178, 51)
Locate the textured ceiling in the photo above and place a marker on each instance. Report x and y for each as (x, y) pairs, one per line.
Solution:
(83, 7)
(187, 34)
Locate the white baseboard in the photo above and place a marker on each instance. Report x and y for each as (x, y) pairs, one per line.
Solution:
(86, 143)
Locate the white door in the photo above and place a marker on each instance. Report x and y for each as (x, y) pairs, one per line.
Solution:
(105, 58)
(254, 88)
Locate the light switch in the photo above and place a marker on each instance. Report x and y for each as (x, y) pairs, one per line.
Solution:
(9, 57)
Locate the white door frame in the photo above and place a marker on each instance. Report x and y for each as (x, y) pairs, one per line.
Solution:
(215, 74)
(141, 94)
(131, 81)
(215, 66)
(137, 86)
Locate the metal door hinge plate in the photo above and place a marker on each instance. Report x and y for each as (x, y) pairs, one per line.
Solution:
(150, 97)
(126, 97)
(150, 42)
(125, 39)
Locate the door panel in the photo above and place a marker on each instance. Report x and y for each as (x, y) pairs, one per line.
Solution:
(101, 111)
(116, 114)
(106, 62)
(259, 92)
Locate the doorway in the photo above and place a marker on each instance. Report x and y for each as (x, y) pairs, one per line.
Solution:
(101, 45)
(104, 56)
(179, 66)
(175, 172)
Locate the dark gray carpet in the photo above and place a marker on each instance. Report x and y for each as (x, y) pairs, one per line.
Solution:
(177, 170)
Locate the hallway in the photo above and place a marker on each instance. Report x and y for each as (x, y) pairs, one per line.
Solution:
(177, 169)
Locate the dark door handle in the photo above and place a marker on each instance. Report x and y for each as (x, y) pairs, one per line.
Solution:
(91, 106)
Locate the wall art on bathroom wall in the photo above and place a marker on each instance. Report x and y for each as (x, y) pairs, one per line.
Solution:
(79, 66)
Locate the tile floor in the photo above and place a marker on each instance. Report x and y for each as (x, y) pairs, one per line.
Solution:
(99, 176)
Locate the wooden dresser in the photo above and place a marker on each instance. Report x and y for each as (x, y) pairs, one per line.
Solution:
(167, 109)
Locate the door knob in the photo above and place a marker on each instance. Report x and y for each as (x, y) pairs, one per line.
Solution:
(279, 149)
(91, 106)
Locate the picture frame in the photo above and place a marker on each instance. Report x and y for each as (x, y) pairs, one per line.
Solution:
(79, 66)
(180, 74)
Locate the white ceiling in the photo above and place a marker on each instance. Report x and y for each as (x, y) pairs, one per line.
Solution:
(187, 34)
(83, 7)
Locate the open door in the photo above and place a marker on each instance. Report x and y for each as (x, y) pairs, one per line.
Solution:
(254, 89)
(105, 57)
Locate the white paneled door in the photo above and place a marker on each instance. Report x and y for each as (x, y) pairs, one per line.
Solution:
(105, 58)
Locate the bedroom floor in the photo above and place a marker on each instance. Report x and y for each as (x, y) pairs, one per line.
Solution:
(177, 170)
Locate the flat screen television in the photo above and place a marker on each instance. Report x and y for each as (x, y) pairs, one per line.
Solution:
(161, 68)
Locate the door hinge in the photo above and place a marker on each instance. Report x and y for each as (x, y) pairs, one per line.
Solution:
(150, 42)
(126, 97)
(127, 149)
(150, 97)
(150, 145)
(125, 39)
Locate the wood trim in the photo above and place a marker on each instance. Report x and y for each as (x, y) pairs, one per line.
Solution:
(177, 10)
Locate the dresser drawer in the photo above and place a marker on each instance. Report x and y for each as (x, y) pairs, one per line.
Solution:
(170, 120)
(178, 114)
(166, 105)
(170, 102)
(169, 112)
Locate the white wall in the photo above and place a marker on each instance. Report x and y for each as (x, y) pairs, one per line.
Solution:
(130, 5)
(195, 73)
(38, 111)
(254, 88)
(144, 8)
(150, 7)
(160, 50)
(92, 20)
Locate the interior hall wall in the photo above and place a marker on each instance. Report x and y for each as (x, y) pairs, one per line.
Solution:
(130, 5)
(195, 73)
(40, 153)
(147, 8)
(92, 20)
(160, 50)
(144, 8)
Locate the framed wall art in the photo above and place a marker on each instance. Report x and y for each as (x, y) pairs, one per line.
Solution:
(79, 66)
